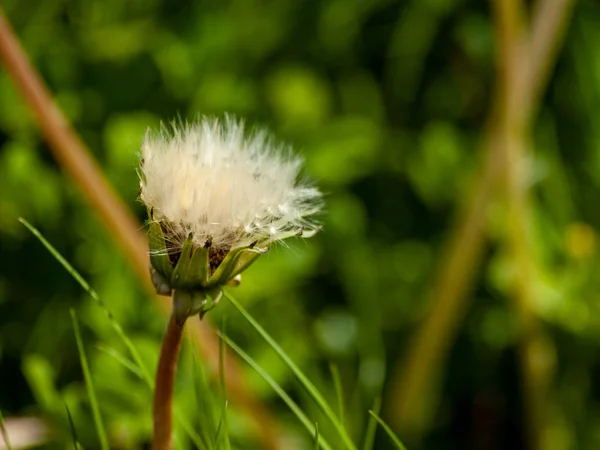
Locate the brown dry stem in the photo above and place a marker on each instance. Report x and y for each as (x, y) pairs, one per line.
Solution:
(448, 299)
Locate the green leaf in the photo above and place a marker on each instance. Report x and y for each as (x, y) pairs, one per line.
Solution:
(245, 260)
(179, 278)
(192, 267)
(159, 256)
(397, 443)
(279, 390)
(4, 433)
(198, 270)
(224, 272)
(372, 426)
(89, 384)
(308, 385)
(213, 297)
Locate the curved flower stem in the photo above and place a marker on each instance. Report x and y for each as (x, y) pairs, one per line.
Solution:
(163, 391)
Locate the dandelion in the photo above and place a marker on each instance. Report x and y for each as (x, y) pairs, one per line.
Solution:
(217, 198)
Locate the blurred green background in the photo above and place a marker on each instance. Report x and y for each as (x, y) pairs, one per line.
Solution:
(387, 100)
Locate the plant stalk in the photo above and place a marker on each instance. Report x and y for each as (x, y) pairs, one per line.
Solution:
(448, 298)
(163, 391)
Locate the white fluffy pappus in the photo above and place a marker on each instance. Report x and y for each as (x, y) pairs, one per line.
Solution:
(225, 186)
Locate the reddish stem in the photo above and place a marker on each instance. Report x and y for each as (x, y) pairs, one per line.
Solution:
(163, 392)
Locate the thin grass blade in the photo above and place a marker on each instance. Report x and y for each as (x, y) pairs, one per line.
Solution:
(114, 324)
(223, 384)
(317, 445)
(72, 428)
(219, 434)
(339, 393)
(279, 390)
(85, 285)
(4, 433)
(123, 360)
(308, 385)
(222, 362)
(204, 401)
(89, 384)
(372, 426)
(395, 440)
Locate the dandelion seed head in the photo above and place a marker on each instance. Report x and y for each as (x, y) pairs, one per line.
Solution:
(224, 185)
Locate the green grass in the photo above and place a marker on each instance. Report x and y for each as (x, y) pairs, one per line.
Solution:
(397, 443)
(204, 401)
(372, 426)
(339, 392)
(122, 360)
(89, 384)
(312, 429)
(221, 437)
(306, 383)
(223, 422)
(137, 359)
(317, 444)
(85, 285)
(72, 428)
(220, 427)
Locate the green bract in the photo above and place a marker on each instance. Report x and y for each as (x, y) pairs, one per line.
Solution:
(195, 285)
